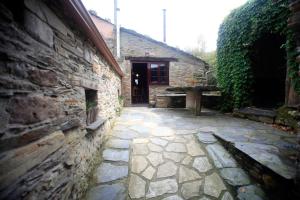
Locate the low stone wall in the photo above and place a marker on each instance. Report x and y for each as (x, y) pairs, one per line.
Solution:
(47, 64)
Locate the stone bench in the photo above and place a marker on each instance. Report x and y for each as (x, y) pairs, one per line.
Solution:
(256, 114)
(165, 100)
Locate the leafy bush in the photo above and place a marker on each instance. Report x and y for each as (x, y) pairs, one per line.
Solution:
(237, 34)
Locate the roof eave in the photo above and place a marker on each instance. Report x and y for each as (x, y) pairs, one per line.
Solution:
(82, 17)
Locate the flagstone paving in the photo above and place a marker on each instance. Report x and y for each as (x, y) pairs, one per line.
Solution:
(171, 155)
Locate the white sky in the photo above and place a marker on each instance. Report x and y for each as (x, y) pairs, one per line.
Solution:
(186, 19)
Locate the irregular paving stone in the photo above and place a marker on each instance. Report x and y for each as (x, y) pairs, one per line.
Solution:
(185, 132)
(149, 172)
(116, 155)
(250, 192)
(191, 189)
(159, 141)
(119, 127)
(166, 170)
(227, 196)
(188, 137)
(202, 164)
(140, 141)
(179, 139)
(186, 174)
(208, 129)
(127, 135)
(176, 147)
(175, 197)
(162, 131)
(140, 149)
(154, 147)
(205, 198)
(138, 164)
(220, 156)
(118, 144)
(187, 160)
(213, 185)
(107, 172)
(194, 149)
(176, 157)
(142, 130)
(155, 159)
(169, 138)
(136, 187)
(159, 188)
(235, 176)
(206, 138)
(107, 192)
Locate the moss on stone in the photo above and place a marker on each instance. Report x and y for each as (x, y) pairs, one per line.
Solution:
(288, 117)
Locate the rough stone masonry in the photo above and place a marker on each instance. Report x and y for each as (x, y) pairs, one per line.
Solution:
(47, 64)
(185, 70)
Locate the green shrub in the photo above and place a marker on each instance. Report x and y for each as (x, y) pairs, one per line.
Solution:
(237, 34)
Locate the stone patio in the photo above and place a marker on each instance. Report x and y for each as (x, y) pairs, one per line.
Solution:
(171, 154)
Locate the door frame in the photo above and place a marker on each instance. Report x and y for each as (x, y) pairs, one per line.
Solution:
(147, 81)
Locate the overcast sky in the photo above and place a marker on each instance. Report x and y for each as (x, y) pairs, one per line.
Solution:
(186, 19)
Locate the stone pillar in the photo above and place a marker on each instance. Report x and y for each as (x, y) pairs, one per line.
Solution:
(194, 101)
(190, 100)
(198, 103)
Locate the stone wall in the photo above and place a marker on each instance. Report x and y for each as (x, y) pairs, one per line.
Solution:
(107, 30)
(46, 65)
(184, 72)
(294, 23)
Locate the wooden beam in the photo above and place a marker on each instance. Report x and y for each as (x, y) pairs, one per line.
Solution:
(151, 59)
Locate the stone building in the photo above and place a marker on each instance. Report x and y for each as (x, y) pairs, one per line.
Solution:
(60, 88)
(150, 67)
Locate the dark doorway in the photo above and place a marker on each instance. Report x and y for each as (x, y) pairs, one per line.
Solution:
(269, 71)
(139, 83)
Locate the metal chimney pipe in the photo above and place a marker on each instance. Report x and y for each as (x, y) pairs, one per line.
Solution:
(164, 25)
(116, 22)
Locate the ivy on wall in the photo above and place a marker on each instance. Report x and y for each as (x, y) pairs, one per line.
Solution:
(237, 34)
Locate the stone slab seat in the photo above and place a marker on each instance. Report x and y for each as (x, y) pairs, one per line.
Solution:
(96, 125)
(171, 95)
(204, 88)
(257, 114)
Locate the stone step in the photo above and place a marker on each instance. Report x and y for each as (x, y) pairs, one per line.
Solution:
(230, 171)
(256, 114)
(267, 156)
(264, 163)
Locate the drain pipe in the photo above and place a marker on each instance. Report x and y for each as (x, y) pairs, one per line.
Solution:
(116, 22)
(164, 26)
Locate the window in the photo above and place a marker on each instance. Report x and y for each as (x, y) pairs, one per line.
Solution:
(91, 106)
(159, 73)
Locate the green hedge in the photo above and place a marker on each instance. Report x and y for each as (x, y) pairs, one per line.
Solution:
(237, 34)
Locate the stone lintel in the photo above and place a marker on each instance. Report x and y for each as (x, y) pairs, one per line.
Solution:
(81, 82)
(151, 59)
